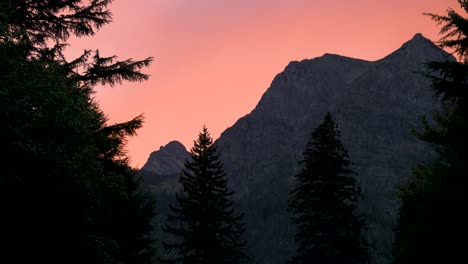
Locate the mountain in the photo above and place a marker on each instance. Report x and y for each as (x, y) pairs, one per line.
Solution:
(160, 177)
(169, 159)
(163, 166)
(375, 103)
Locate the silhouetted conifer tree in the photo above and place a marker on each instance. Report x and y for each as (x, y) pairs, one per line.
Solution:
(67, 194)
(204, 225)
(323, 203)
(432, 223)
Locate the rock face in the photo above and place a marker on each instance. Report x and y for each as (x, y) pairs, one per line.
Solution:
(375, 104)
(163, 166)
(168, 160)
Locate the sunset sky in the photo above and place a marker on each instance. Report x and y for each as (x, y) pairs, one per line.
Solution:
(214, 59)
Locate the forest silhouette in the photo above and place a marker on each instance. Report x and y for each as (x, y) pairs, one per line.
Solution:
(69, 195)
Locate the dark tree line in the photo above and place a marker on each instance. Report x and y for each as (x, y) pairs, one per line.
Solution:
(67, 194)
(432, 224)
(204, 228)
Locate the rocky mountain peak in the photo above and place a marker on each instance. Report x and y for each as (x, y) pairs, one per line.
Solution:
(375, 104)
(168, 160)
(418, 37)
(416, 50)
(173, 147)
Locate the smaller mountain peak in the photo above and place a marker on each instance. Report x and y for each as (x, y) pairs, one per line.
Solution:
(168, 160)
(173, 145)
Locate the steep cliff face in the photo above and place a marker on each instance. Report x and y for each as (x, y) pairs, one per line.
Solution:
(168, 160)
(375, 105)
(161, 172)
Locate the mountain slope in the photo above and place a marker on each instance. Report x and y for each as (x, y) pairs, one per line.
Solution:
(375, 105)
(161, 170)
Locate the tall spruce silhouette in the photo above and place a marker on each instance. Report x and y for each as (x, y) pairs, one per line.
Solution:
(323, 202)
(432, 222)
(204, 225)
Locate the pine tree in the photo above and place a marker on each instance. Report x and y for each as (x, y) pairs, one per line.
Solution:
(204, 225)
(66, 191)
(323, 202)
(432, 220)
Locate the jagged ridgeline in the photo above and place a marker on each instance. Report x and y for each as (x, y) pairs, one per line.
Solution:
(375, 105)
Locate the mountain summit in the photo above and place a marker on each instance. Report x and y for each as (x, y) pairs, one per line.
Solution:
(416, 50)
(168, 160)
(375, 104)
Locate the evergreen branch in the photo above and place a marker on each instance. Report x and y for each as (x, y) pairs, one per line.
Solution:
(121, 130)
(57, 19)
(106, 70)
(454, 32)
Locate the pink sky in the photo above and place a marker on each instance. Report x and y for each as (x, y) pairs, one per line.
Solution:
(214, 59)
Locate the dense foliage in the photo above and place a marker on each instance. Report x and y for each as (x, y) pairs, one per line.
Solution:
(204, 226)
(432, 223)
(323, 202)
(67, 193)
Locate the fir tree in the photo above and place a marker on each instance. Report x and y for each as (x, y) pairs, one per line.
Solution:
(323, 202)
(204, 225)
(432, 221)
(66, 191)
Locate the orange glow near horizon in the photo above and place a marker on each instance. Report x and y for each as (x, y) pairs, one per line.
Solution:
(215, 59)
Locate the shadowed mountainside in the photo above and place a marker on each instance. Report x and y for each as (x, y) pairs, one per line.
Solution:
(165, 164)
(375, 105)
